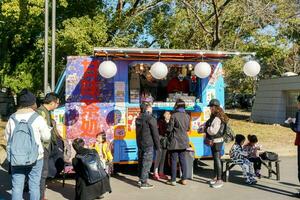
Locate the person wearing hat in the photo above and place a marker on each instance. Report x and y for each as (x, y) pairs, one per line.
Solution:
(213, 129)
(26, 106)
(177, 129)
(147, 138)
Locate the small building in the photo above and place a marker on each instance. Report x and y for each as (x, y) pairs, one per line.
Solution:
(276, 100)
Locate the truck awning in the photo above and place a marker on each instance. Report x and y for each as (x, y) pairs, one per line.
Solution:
(165, 54)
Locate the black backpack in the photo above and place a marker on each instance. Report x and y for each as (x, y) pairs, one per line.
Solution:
(225, 132)
(92, 169)
(228, 134)
(267, 155)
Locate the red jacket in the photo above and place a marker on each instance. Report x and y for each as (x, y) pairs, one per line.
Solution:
(175, 85)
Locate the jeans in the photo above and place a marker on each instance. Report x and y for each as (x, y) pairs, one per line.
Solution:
(216, 152)
(182, 161)
(160, 160)
(44, 173)
(34, 177)
(145, 158)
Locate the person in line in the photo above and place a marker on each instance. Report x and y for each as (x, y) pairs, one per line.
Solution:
(161, 152)
(36, 127)
(252, 148)
(239, 157)
(214, 128)
(50, 102)
(178, 127)
(147, 138)
(83, 189)
(103, 149)
(295, 126)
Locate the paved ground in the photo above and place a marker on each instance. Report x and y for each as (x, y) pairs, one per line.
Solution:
(124, 186)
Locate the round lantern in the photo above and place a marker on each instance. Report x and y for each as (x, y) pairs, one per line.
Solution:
(107, 69)
(202, 69)
(251, 68)
(159, 70)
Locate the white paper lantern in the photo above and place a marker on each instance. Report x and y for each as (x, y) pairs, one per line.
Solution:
(251, 68)
(159, 70)
(202, 69)
(107, 69)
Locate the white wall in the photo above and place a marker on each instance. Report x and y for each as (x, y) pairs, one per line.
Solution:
(270, 100)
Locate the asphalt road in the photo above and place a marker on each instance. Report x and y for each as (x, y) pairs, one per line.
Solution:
(124, 186)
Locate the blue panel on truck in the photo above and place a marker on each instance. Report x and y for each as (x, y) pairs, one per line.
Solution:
(127, 150)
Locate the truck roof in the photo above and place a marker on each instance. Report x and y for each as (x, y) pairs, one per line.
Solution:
(165, 54)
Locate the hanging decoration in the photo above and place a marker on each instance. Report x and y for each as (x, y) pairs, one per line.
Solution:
(251, 68)
(159, 70)
(107, 69)
(202, 69)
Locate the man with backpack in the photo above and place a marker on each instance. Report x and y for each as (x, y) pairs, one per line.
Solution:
(25, 132)
(50, 102)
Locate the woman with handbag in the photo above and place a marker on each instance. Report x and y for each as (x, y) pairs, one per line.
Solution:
(161, 153)
(178, 142)
(214, 128)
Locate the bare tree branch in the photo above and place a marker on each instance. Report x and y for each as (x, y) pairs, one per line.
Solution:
(120, 7)
(217, 36)
(220, 10)
(134, 8)
(197, 17)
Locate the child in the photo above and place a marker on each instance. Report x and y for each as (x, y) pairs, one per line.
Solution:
(102, 147)
(252, 149)
(238, 157)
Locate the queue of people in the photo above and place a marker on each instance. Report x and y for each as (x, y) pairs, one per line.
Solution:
(171, 135)
(28, 154)
(33, 146)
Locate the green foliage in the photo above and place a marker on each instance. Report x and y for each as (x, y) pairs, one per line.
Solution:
(269, 28)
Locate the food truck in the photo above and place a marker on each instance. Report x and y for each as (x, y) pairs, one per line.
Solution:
(93, 103)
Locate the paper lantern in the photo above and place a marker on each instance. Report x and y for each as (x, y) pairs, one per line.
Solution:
(202, 69)
(251, 68)
(107, 69)
(159, 70)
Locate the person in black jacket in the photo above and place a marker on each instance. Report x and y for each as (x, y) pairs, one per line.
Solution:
(147, 137)
(84, 190)
(178, 127)
(295, 125)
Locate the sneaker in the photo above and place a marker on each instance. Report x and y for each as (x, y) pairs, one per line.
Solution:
(249, 182)
(218, 184)
(183, 182)
(212, 181)
(163, 176)
(253, 181)
(173, 183)
(258, 175)
(146, 186)
(155, 176)
(139, 183)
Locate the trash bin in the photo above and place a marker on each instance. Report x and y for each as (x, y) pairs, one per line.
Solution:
(190, 157)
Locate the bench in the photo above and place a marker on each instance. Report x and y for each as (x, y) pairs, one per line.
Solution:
(268, 164)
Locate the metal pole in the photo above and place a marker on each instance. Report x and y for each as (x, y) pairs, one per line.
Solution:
(53, 45)
(46, 47)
